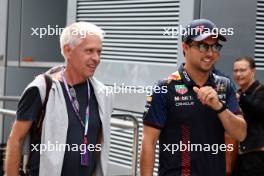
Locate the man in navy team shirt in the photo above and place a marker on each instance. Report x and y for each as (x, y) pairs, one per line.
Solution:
(190, 119)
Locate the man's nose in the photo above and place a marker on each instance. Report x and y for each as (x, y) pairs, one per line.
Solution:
(209, 52)
(96, 57)
(237, 73)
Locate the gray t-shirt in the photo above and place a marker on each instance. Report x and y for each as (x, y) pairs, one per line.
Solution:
(28, 108)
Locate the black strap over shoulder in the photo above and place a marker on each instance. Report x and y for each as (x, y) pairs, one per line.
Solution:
(37, 125)
(260, 86)
(42, 111)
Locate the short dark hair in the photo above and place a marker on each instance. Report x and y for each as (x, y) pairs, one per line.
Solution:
(188, 42)
(251, 61)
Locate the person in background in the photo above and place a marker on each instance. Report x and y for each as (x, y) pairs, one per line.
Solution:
(250, 161)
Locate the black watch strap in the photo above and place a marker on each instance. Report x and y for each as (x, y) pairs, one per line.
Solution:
(221, 109)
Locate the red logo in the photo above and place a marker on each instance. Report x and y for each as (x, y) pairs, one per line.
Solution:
(181, 89)
(199, 28)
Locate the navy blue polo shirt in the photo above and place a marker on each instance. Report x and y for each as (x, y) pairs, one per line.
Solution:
(191, 141)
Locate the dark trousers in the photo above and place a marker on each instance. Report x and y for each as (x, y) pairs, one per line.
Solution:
(249, 164)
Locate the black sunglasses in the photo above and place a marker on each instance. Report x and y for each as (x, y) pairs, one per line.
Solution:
(203, 47)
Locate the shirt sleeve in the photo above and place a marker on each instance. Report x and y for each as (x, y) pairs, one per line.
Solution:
(29, 105)
(155, 114)
(231, 101)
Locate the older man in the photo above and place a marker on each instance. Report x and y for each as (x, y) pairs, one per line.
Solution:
(190, 119)
(75, 134)
(250, 160)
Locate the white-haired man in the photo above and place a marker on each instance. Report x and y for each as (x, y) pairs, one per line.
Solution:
(75, 136)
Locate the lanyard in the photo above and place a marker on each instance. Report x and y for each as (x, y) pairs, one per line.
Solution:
(75, 105)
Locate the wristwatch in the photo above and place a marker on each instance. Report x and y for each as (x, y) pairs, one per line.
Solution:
(221, 109)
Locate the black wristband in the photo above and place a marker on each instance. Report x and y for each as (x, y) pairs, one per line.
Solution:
(221, 109)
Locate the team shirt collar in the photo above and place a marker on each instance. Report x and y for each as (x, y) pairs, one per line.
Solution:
(190, 83)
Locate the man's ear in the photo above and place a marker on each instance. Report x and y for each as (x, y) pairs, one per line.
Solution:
(254, 71)
(67, 50)
(184, 46)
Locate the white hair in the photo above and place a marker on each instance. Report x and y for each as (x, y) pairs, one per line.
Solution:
(74, 33)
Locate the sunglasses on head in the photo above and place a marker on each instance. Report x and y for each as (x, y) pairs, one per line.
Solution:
(203, 47)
